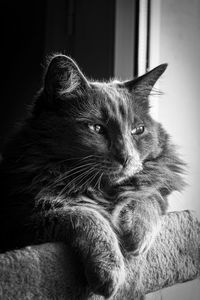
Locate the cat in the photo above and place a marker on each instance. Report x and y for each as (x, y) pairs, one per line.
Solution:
(91, 168)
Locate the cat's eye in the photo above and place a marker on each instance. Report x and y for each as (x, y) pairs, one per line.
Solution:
(137, 130)
(96, 128)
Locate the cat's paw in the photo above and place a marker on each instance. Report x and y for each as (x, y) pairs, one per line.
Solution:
(140, 237)
(105, 276)
(99, 251)
(104, 266)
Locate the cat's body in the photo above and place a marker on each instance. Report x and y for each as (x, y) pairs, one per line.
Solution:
(91, 168)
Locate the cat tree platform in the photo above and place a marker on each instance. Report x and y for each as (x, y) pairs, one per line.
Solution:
(52, 272)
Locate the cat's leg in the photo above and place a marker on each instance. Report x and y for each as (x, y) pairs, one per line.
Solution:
(92, 238)
(139, 224)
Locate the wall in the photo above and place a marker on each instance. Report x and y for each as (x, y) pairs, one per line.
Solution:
(179, 107)
(32, 30)
(22, 46)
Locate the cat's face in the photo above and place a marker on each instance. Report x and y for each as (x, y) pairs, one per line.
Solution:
(101, 129)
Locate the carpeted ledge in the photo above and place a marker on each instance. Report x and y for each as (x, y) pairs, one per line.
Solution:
(51, 271)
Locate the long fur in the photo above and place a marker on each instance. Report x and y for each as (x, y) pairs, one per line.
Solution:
(55, 164)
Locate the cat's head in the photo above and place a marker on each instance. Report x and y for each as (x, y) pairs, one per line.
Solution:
(101, 129)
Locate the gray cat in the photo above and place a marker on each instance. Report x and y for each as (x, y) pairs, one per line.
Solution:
(91, 168)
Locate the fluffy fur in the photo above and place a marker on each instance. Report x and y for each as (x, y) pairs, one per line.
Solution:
(89, 167)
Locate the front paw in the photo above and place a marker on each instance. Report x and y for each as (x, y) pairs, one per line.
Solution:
(98, 248)
(104, 264)
(105, 274)
(139, 238)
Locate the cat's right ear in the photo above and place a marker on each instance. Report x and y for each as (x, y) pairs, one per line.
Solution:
(63, 78)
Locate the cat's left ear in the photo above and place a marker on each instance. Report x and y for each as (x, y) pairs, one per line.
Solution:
(63, 77)
(144, 84)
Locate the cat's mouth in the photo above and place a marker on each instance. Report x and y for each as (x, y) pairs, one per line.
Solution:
(126, 172)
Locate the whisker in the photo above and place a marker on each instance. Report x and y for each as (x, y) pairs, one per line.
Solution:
(96, 184)
(80, 169)
(89, 181)
(78, 180)
(71, 173)
(78, 159)
(96, 174)
(71, 183)
(109, 169)
(99, 184)
(81, 177)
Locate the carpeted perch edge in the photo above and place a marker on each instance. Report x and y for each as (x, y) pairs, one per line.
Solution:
(51, 271)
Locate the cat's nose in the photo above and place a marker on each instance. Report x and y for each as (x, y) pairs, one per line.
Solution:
(126, 161)
(122, 158)
(120, 152)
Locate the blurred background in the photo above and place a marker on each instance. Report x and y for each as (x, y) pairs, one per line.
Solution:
(115, 38)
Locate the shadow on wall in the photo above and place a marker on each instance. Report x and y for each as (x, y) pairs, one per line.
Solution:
(34, 29)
